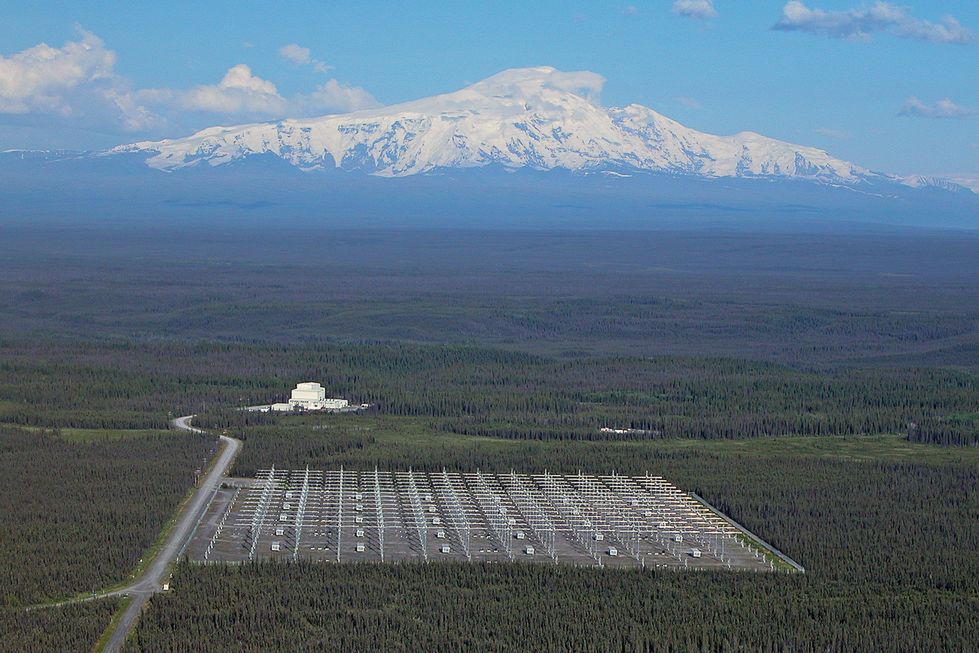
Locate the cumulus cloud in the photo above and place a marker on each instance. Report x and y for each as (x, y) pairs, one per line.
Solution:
(335, 97)
(861, 23)
(239, 92)
(77, 86)
(76, 81)
(297, 54)
(582, 82)
(695, 8)
(242, 93)
(945, 108)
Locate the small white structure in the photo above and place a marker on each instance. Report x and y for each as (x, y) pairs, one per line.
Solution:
(440, 535)
(519, 535)
(446, 548)
(310, 396)
(598, 537)
(280, 531)
(612, 551)
(695, 553)
(677, 538)
(360, 547)
(360, 532)
(276, 547)
(529, 550)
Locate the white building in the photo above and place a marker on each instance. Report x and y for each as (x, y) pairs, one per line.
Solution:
(310, 396)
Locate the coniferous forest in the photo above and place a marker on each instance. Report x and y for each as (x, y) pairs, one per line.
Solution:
(832, 409)
(889, 550)
(78, 515)
(74, 627)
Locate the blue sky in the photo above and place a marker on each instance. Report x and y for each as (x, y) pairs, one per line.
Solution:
(839, 74)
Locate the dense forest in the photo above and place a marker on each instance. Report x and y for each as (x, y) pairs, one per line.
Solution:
(889, 551)
(70, 628)
(478, 391)
(78, 515)
(798, 381)
(808, 298)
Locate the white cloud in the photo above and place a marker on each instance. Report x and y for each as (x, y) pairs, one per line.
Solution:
(695, 8)
(75, 82)
(861, 23)
(242, 93)
(41, 76)
(239, 92)
(295, 53)
(336, 98)
(944, 108)
(76, 86)
(689, 102)
(133, 116)
(582, 82)
(301, 56)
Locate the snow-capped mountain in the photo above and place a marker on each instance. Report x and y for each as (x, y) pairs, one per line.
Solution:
(537, 118)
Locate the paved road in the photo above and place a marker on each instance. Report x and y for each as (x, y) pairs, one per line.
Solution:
(151, 581)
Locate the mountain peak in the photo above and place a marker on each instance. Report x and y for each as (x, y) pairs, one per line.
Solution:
(538, 117)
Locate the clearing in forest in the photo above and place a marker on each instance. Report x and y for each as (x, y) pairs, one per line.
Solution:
(359, 516)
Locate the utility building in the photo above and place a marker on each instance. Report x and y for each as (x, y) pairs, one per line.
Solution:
(310, 396)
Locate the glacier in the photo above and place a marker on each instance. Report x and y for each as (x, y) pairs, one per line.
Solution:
(529, 118)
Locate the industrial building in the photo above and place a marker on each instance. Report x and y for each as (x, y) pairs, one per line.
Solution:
(310, 396)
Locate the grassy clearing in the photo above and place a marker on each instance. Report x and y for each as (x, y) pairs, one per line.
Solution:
(102, 435)
(92, 435)
(385, 433)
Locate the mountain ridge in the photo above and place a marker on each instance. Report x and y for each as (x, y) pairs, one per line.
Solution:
(538, 118)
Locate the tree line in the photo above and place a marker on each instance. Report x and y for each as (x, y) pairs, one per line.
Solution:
(475, 391)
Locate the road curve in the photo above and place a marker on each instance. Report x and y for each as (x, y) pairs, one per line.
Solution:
(151, 581)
